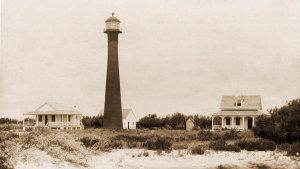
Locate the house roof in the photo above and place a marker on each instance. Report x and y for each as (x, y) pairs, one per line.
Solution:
(250, 102)
(54, 108)
(191, 119)
(125, 113)
(238, 113)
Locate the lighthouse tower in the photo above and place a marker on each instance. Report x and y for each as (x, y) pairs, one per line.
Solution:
(112, 108)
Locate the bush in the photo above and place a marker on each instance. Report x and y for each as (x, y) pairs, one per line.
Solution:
(8, 121)
(158, 143)
(197, 150)
(231, 135)
(150, 121)
(204, 135)
(222, 145)
(95, 121)
(88, 142)
(131, 138)
(179, 146)
(204, 122)
(3, 163)
(291, 149)
(256, 144)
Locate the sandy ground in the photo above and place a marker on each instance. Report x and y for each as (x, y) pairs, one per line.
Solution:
(177, 159)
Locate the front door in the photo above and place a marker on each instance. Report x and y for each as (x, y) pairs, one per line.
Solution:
(46, 119)
(249, 122)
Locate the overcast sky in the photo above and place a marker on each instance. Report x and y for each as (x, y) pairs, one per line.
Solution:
(175, 56)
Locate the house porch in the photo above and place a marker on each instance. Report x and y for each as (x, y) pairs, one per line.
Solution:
(52, 121)
(233, 122)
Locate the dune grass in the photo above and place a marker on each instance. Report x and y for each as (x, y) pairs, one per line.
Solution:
(77, 146)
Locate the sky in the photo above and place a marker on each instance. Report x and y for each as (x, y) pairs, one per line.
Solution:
(174, 55)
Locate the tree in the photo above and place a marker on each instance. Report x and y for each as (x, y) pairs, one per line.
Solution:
(178, 120)
(204, 122)
(150, 121)
(283, 124)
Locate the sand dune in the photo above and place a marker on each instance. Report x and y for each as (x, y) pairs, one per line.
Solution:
(145, 159)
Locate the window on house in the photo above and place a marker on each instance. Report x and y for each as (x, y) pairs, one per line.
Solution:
(40, 118)
(239, 103)
(53, 118)
(217, 121)
(132, 123)
(237, 121)
(69, 118)
(227, 120)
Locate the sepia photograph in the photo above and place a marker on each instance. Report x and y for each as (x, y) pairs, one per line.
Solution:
(140, 84)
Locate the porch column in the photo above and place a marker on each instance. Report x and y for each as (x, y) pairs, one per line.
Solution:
(253, 123)
(243, 122)
(62, 122)
(212, 122)
(232, 120)
(222, 121)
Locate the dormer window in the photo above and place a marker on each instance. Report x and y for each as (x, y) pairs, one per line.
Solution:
(238, 103)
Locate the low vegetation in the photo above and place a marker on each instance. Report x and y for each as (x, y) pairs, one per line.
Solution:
(174, 121)
(198, 150)
(256, 144)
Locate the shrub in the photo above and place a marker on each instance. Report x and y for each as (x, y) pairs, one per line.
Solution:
(231, 135)
(222, 145)
(204, 135)
(291, 149)
(204, 122)
(88, 142)
(150, 121)
(95, 121)
(217, 145)
(158, 143)
(131, 138)
(197, 150)
(256, 144)
(146, 154)
(180, 146)
(3, 163)
(7, 136)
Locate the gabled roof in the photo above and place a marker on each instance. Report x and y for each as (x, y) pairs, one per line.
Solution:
(191, 119)
(53, 108)
(125, 113)
(250, 102)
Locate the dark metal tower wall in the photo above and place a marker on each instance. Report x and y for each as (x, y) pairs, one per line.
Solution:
(112, 107)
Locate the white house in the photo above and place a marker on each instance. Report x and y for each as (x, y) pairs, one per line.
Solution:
(128, 118)
(237, 112)
(53, 116)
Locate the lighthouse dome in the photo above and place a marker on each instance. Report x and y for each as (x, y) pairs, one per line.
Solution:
(112, 24)
(112, 19)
